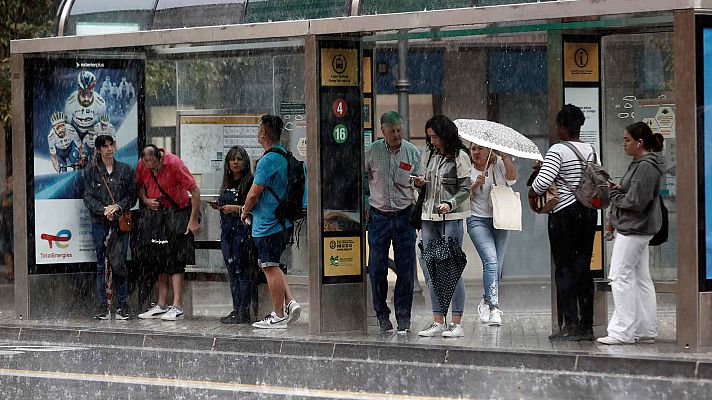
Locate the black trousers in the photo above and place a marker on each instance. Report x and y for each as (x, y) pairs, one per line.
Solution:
(571, 233)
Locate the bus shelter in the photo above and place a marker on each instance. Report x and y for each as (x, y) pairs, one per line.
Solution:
(195, 79)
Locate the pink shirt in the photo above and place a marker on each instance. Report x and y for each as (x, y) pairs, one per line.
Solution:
(174, 178)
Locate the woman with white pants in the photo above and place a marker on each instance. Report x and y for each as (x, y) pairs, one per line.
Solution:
(636, 216)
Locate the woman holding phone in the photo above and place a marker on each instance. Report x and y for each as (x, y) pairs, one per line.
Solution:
(635, 203)
(236, 182)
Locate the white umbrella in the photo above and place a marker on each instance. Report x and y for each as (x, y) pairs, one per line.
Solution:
(498, 137)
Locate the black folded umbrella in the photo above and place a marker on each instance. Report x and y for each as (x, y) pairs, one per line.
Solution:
(445, 261)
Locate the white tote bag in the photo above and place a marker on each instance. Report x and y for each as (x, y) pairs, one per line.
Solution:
(506, 208)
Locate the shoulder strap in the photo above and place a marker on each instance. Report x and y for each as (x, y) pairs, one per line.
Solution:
(163, 192)
(106, 184)
(284, 154)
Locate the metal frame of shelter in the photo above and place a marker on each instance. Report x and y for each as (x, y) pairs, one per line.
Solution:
(694, 308)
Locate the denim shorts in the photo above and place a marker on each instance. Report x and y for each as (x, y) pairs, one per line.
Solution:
(270, 248)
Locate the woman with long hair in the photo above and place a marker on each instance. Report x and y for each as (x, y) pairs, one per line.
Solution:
(236, 182)
(447, 194)
(488, 169)
(636, 218)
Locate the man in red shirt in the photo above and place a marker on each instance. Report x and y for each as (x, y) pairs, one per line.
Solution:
(164, 182)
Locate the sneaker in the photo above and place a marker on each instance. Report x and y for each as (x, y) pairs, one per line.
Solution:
(612, 341)
(292, 311)
(231, 318)
(495, 317)
(645, 340)
(172, 314)
(484, 311)
(123, 314)
(385, 324)
(102, 312)
(435, 329)
(454, 330)
(154, 312)
(272, 321)
(403, 327)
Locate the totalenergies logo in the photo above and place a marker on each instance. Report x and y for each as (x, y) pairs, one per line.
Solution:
(60, 238)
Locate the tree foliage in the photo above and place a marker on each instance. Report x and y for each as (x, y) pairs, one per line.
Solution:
(20, 19)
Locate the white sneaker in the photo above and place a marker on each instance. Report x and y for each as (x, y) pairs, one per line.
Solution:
(612, 341)
(293, 311)
(454, 330)
(172, 314)
(154, 312)
(484, 311)
(495, 317)
(272, 321)
(435, 329)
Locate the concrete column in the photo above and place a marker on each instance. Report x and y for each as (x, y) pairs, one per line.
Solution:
(689, 314)
(403, 84)
(19, 166)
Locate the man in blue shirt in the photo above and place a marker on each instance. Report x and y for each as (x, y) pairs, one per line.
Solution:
(271, 236)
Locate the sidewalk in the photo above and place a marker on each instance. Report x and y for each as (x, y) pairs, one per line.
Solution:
(526, 326)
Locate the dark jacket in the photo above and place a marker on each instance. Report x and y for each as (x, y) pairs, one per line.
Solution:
(637, 203)
(121, 181)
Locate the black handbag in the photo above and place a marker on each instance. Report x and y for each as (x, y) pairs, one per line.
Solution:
(164, 233)
(416, 220)
(662, 235)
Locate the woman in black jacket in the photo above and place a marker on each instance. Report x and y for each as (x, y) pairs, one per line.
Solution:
(109, 189)
(237, 180)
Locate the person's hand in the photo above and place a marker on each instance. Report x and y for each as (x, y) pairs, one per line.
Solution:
(479, 181)
(614, 185)
(419, 181)
(536, 166)
(110, 210)
(231, 209)
(193, 226)
(152, 204)
(214, 206)
(245, 215)
(443, 208)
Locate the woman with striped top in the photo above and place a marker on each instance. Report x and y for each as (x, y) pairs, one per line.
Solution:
(571, 228)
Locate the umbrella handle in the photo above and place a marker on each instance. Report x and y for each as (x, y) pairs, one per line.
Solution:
(443, 225)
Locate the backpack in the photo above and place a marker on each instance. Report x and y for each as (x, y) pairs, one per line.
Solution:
(291, 207)
(593, 191)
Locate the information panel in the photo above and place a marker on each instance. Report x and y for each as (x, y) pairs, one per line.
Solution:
(341, 148)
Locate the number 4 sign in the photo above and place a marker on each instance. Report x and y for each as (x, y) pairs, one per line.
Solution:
(339, 108)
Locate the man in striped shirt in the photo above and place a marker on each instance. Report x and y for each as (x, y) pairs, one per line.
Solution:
(572, 228)
(393, 169)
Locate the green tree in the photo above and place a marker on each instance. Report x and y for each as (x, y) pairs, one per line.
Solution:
(20, 19)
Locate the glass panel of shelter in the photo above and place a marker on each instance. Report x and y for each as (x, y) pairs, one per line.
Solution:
(638, 85)
(229, 90)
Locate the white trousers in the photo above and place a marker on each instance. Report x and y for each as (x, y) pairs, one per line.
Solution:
(634, 314)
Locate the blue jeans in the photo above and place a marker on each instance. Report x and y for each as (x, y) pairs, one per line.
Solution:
(382, 230)
(491, 243)
(231, 240)
(98, 235)
(453, 229)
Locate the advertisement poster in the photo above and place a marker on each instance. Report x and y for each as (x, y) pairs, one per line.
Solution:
(707, 156)
(72, 102)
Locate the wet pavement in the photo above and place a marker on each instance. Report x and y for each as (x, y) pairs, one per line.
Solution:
(199, 357)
